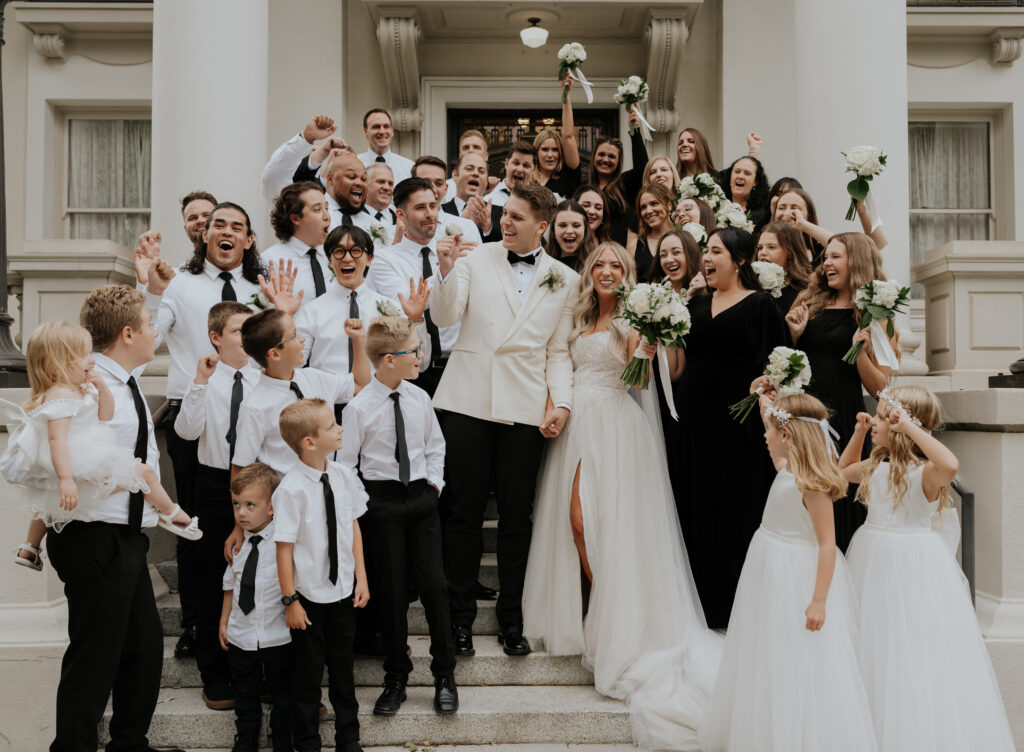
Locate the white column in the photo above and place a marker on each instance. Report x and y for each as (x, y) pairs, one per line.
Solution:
(837, 79)
(209, 107)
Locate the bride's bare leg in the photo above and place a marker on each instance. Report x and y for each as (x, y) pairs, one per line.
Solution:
(576, 520)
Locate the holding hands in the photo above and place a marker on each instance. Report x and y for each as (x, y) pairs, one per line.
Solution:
(278, 286)
(554, 421)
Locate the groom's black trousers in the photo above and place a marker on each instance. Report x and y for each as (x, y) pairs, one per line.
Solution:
(477, 451)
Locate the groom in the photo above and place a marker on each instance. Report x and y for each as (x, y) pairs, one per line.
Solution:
(507, 386)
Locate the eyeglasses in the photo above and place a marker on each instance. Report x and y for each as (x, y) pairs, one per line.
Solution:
(284, 342)
(339, 253)
(418, 351)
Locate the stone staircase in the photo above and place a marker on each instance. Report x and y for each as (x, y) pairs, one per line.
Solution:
(539, 699)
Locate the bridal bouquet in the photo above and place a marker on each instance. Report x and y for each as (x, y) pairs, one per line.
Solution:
(771, 276)
(704, 186)
(730, 214)
(788, 372)
(865, 162)
(631, 92)
(660, 315)
(879, 301)
(570, 58)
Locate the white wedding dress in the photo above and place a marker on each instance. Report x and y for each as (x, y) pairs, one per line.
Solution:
(644, 636)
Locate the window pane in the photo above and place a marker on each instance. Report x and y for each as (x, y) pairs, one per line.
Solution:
(949, 165)
(108, 164)
(121, 228)
(930, 230)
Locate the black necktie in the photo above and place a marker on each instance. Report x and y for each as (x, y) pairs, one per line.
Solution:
(435, 335)
(346, 220)
(380, 158)
(295, 388)
(247, 591)
(236, 402)
(401, 450)
(515, 258)
(318, 273)
(332, 529)
(353, 313)
(141, 448)
(379, 216)
(227, 292)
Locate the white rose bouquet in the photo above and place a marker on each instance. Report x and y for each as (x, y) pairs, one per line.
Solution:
(771, 276)
(697, 231)
(632, 92)
(865, 162)
(703, 186)
(788, 372)
(661, 317)
(570, 58)
(731, 214)
(878, 301)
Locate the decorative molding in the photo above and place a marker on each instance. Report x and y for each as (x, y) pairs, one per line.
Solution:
(399, 36)
(665, 36)
(947, 37)
(50, 46)
(1007, 45)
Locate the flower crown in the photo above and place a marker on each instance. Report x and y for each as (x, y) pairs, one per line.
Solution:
(784, 416)
(894, 404)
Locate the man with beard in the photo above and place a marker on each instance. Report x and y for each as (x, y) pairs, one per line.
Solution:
(195, 208)
(345, 178)
(519, 167)
(301, 220)
(434, 170)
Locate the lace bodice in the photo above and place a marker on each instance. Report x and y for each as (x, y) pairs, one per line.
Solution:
(595, 370)
(913, 513)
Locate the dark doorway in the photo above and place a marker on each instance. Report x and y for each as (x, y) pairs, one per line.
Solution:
(503, 127)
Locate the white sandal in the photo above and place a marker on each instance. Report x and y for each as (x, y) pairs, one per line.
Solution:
(35, 563)
(190, 531)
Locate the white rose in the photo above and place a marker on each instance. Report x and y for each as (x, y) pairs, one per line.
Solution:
(662, 312)
(688, 189)
(637, 302)
(697, 231)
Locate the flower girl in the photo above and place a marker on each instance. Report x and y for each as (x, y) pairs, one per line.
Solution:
(789, 680)
(924, 662)
(62, 451)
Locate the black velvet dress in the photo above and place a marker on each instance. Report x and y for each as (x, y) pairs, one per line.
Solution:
(621, 219)
(837, 384)
(644, 261)
(724, 471)
(785, 301)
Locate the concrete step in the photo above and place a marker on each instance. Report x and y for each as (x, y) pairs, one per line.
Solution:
(475, 748)
(486, 619)
(489, 667)
(487, 715)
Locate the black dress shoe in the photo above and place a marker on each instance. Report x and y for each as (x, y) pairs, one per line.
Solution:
(446, 694)
(511, 638)
(247, 741)
(185, 647)
(392, 697)
(462, 636)
(165, 749)
(218, 698)
(484, 593)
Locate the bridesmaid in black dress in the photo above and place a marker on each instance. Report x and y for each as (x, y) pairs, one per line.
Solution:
(824, 324)
(724, 468)
(654, 210)
(570, 239)
(619, 188)
(780, 243)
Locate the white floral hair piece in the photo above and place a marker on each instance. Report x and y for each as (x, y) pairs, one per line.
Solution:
(780, 415)
(784, 416)
(894, 404)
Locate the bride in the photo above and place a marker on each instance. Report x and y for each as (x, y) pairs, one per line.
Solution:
(605, 511)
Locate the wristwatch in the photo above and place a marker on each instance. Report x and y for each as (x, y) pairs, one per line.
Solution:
(288, 600)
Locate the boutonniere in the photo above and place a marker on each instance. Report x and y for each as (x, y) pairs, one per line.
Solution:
(387, 308)
(259, 301)
(553, 280)
(379, 233)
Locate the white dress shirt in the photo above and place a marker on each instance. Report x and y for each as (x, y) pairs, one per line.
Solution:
(206, 413)
(392, 269)
(450, 189)
(281, 166)
(181, 314)
(301, 518)
(264, 626)
(361, 218)
(370, 436)
(500, 195)
(259, 434)
(387, 216)
(523, 274)
(297, 251)
(401, 167)
(114, 508)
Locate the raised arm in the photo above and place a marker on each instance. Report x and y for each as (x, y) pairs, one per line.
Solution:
(850, 462)
(570, 149)
(942, 465)
(451, 296)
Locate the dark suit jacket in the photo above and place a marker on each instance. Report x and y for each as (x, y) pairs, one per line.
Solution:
(496, 211)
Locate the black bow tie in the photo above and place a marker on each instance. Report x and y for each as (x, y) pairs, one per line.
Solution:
(515, 258)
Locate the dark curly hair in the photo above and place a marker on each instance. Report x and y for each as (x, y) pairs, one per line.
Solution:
(289, 202)
(759, 194)
(252, 267)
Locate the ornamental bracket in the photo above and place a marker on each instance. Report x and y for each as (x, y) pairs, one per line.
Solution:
(1007, 46)
(50, 46)
(399, 36)
(665, 36)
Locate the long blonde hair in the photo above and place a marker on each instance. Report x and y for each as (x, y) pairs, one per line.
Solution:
(584, 316)
(539, 139)
(902, 453)
(810, 459)
(51, 350)
(674, 188)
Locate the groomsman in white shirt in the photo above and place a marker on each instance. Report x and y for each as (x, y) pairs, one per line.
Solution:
(301, 220)
(470, 182)
(378, 133)
(519, 167)
(288, 156)
(434, 170)
(380, 188)
(346, 181)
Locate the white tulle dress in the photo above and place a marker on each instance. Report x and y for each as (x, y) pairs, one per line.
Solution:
(924, 662)
(644, 636)
(98, 464)
(782, 688)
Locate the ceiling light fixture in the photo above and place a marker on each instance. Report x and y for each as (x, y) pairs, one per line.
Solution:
(533, 35)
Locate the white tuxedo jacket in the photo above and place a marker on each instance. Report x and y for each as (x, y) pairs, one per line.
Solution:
(509, 355)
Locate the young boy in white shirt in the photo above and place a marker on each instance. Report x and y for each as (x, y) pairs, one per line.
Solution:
(252, 626)
(319, 553)
(395, 440)
(209, 414)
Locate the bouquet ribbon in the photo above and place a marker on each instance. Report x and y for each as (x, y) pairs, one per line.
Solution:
(577, 75)
(666, 382)
(646, 129)
(884, 353)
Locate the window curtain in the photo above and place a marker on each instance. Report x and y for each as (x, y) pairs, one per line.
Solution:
(949, 169)
(109, 168)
